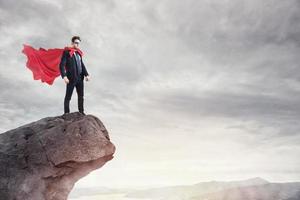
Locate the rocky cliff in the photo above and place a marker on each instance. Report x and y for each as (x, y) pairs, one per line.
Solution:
(42, 160)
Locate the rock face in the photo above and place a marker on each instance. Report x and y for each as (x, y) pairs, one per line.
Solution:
(42, 160)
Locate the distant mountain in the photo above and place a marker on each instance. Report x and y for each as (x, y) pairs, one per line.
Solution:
(84, 192)
(250, 189)
(270, 191)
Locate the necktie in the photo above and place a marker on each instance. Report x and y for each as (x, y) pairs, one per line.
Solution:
(77, 58)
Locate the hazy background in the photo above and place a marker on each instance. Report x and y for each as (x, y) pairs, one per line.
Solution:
(189, 91)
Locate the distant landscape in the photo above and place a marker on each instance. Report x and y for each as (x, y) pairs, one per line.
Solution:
(250, 189)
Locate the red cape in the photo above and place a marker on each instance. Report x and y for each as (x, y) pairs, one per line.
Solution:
(43, 63)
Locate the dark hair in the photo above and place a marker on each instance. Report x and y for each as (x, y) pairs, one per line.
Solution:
(75, 37)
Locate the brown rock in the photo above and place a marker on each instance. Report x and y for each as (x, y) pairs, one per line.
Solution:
(42, 160)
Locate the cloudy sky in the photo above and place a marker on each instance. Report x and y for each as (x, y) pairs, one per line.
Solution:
(190, 91)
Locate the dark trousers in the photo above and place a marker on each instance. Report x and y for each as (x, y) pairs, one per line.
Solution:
(69, 92)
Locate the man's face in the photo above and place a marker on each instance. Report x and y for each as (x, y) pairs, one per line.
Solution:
(76, 43)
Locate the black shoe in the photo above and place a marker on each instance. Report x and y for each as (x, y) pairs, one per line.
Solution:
(82, 113)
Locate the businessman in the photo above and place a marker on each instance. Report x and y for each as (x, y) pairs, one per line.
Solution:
(73, 71)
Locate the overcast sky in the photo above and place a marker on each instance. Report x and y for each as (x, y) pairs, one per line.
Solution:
(190, 91)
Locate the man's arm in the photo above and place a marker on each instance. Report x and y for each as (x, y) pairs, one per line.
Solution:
(85, 73)
(62, 64)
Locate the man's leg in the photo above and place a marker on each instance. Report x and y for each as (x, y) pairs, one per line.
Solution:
(80, 90)
(69, 91)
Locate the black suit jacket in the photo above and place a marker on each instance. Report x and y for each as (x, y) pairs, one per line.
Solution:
(68, 68)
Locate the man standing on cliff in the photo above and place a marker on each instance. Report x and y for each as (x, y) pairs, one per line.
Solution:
(73, 71)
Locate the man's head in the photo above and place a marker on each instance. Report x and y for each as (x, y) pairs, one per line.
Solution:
(75, 41)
